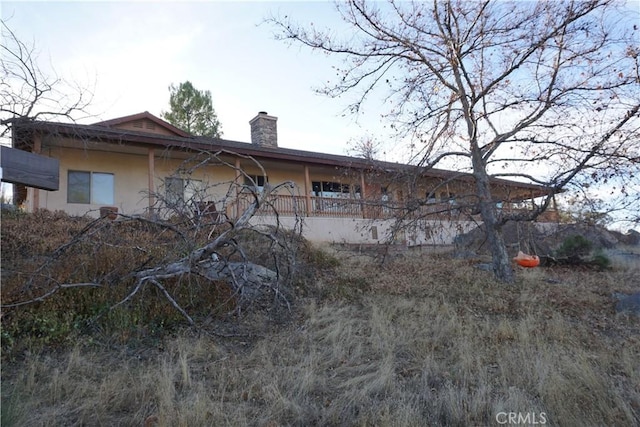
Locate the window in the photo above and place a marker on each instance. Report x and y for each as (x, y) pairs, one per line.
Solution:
(447, 196)
(385, 195)
(90, 187)
(174, 190)
(334, 189)
(256, 180)
(179, 190)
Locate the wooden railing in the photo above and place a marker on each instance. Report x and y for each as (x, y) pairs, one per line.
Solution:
(287, 205)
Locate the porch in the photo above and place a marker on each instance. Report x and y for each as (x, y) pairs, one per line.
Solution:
(357, 208)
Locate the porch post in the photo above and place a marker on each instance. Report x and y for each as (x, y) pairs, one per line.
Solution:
(236, 209)
(307, 189)
(151, 169)
(363, 196)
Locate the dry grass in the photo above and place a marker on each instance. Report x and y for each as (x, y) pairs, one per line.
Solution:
(51, 253)
(423, 340)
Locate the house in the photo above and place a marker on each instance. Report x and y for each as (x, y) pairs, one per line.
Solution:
(140, 164)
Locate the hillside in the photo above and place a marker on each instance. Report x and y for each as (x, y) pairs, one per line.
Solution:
(423, 339)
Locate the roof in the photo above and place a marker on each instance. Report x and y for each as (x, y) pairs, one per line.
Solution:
(141, 116)
(107, 132)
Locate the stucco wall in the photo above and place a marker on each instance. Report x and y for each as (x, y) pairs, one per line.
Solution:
(361, 231)
(131, 179)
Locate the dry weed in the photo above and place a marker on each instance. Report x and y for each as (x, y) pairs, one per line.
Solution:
(419, 341)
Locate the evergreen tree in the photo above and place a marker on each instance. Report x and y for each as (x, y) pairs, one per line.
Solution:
(192, 111)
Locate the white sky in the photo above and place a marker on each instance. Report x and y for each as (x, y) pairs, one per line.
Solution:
(130, 52)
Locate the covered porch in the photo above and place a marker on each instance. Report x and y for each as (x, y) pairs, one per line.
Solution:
(359, 208)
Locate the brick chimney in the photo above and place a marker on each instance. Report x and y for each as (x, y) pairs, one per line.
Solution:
(264, 131)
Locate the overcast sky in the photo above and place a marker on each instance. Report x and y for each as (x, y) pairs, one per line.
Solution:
(129, 53)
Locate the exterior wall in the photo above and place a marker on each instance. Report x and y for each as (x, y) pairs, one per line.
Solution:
(363, 231)
(130, 167)
(216, 178)
(434, 232)
(131, 177)
(130, 180)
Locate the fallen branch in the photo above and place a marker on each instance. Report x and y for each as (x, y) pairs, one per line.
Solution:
(51, 292)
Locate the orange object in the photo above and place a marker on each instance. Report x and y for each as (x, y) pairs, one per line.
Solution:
(525, 260)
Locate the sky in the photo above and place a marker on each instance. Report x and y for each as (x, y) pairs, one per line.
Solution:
(128, 53)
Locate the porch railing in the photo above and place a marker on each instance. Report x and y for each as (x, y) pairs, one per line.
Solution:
(287, 205)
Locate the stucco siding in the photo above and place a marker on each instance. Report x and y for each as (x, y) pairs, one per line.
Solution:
(364, 231)
(129, 172)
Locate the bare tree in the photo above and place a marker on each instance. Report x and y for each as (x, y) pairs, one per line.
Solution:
(27, 92)
(546, 92)
(189, 235)
(366, 147)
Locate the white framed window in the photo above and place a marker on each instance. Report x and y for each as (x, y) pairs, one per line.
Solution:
(335, 190)
(256, 181)
(90, 187)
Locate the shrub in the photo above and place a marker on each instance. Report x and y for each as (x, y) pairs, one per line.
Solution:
(574, 246)
(578, 250)
(601, 261)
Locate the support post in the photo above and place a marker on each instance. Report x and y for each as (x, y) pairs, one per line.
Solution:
(151, 165)
(307, 190)
(236, 209)
(363, 195)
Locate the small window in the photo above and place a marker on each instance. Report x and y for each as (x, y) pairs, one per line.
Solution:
(90, 187)
(194, 190)
(179, 190)
(447, 196)
(385, 195)
(334, 189)
(174, 190)
(257, 181)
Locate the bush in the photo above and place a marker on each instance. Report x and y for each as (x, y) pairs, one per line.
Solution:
(574, 246)
(601, 261)
(577, 250)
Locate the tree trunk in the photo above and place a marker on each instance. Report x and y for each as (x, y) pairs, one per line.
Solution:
(501, 261)
(493, 230)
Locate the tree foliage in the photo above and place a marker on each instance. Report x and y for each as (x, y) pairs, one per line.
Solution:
(546, 92)
(192, 111)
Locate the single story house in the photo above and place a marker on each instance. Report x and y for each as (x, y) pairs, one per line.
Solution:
(140, 164)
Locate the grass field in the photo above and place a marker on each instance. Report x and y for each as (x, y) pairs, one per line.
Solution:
(422, 340)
